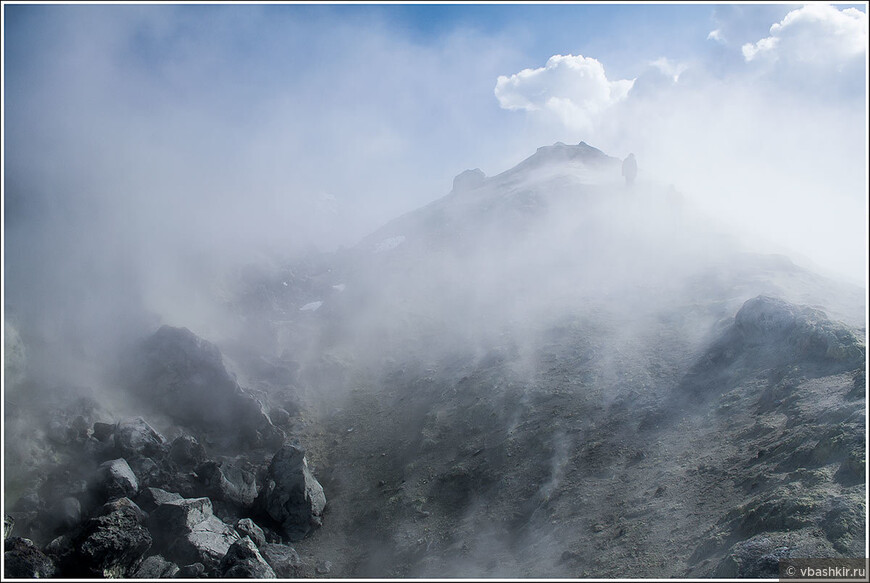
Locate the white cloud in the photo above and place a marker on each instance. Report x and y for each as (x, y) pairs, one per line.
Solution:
(817, 34)
(573, 88)
(669, 68)
(716, 35)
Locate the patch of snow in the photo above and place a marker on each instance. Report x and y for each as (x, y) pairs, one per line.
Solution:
(311, 306)
(389, 243)
(285, 283)
(339, 287)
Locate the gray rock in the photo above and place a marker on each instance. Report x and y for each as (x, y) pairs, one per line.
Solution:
(147, 471)
(247, 527)
(8, 525)
(229, 482)
(112, 544)
(151, 498)
(156, 567)
(136, 438)
(122, 504)
(184, 375)
(292, 496)
(187, 452)
(103, 431)
(243, 561)
(283, 559)
(115, 479)
(192, 571)
(23, 560)
(754, 558)
(187, 531)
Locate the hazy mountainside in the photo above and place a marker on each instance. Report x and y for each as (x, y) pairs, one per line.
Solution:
(543, 374)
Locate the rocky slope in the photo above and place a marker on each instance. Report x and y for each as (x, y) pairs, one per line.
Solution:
(543, 374)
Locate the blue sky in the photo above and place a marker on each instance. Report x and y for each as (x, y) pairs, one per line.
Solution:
(287, 125)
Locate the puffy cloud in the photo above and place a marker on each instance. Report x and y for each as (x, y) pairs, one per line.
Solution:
(573, 88)
(669, 68)
(716, 35)
(817, 34)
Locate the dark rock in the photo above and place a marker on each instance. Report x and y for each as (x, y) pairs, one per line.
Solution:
(755, 558)
(845, 523)
(124, 504)
(184, 375)
(187, 531)
(8, 525)
(103, 431)
(136, 438)
(147, 471)
(115, 479)
(228, 482)
(23, 560)
(283, 559)
(112, 544)
(769, 333)
(61, 548)
(150, 498)
(192, 571)
(187, 452)
(243, 561)
(291, 496)
(247, 527)
(156, 567)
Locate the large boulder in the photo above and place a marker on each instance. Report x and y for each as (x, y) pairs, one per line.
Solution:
(284, 560)
(156, 567)
(184, 376)
(111, 544)
(243, 561)
(8, 525)
(187, 452)
(23, 560)
(291, 496)
(187, 531)
(150, 498)
(248, 528)
(136, 438)
(228, 482)
(115, 479)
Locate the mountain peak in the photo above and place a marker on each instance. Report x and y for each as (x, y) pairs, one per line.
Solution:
(561, 152)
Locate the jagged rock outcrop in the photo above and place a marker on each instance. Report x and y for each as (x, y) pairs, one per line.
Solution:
(291, 496)
(247, 527)
(770, 333)
(184, 376)
(228, 482)
(187, 452)
(23, 560)
(111, 544)
(136, 438)
(187, 531)
(115, 479)
(243, 561)
(155, 567)
(150, 498)
(283, 559)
